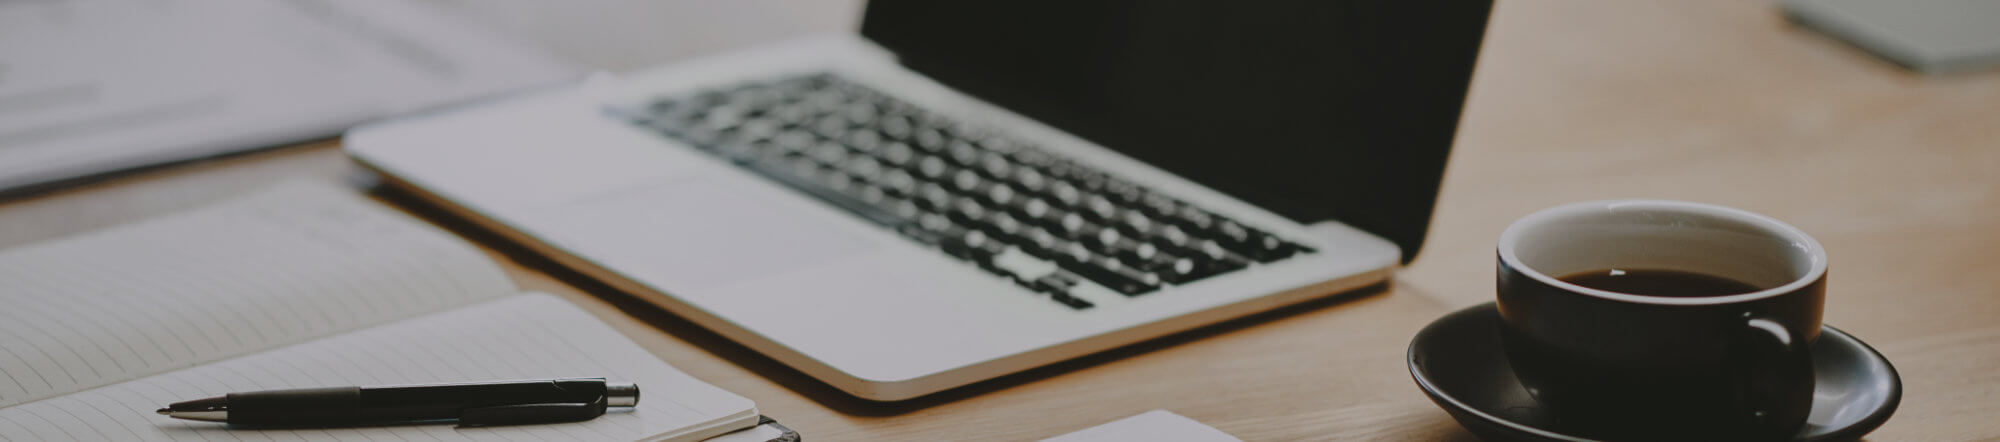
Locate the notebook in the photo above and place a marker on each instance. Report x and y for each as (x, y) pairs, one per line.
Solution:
(302, 285)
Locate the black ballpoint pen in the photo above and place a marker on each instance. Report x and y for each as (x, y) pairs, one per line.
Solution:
(471, 404)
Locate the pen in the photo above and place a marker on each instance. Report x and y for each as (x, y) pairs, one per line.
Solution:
(471, 404)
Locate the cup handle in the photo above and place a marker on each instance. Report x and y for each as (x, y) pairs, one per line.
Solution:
(1774, 372)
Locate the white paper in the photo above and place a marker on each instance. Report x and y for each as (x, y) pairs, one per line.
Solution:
(1155, 426)
(523, 337)
(302, 285)
(89, 86)
(282, 266)
(760, 433)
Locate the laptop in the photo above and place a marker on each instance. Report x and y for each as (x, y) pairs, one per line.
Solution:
(970, 189)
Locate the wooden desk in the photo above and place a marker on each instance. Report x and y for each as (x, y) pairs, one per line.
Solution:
(1717, 101)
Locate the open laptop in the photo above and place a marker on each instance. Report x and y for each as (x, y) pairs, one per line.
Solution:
(971, 189)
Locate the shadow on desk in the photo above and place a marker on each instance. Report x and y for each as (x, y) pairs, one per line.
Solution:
(825, 395)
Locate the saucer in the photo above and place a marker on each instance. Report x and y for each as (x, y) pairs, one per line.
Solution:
(1459, 363)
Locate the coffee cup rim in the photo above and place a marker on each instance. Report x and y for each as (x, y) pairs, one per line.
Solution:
(1797, 238)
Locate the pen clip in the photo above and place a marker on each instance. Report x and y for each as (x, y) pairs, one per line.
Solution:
(522, 414)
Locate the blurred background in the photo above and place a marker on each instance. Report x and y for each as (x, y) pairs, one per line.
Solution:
(623, 35)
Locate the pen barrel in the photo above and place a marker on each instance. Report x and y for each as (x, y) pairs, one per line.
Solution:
(449, 401)
(339, 406)
(303, 407)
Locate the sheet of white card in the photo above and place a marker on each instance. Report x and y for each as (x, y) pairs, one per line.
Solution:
(89, 86)
(1156, 426)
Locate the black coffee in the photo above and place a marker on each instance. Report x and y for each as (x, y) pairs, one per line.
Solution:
(1654, 282)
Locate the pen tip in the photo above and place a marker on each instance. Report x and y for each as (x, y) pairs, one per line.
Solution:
(164, 412)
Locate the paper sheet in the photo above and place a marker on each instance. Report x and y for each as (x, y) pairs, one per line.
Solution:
(523, 337)
(89, 86)
(289, 264)
(1154, 426)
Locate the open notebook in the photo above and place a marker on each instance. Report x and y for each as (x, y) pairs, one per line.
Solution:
(303, 285)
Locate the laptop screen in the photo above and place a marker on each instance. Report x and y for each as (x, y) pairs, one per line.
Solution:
(1338, 109)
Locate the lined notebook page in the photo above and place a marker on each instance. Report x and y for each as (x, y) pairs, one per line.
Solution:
(285, 265)
(528, 336)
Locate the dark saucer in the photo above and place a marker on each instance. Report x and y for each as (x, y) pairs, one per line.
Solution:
(1459, 363)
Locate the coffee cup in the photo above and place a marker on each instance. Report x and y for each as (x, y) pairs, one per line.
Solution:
(1663, 319)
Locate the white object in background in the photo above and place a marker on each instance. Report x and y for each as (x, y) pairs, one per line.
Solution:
(1929, 36)
(1156, 426)
(769, 432)
(93, 86)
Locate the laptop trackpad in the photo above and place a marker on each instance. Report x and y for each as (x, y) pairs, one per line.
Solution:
(691, 234)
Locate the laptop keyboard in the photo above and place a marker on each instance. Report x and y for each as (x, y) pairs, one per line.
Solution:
(1049, 224)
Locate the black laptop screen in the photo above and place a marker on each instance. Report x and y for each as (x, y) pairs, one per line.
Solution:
(1338, 109)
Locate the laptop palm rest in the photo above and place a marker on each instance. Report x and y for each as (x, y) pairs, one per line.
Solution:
(686, 232)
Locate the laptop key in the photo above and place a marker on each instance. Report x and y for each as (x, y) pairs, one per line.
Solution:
(1100, 209)
(1021, 265)
(1229, 232)
(932, 168)
(995, 166)
(963, 154)
(1221, 257)
(1251, 243)
(1058, 285)
(932, 229)
(1266, 248)
(897, 127)
(1137, 225)
(1125, 193)
(1189, 269)
(828, 153)
(967, 212)
(1178, 270)
(830, 126)
(1004, 227)
(1030, 181)
(1064, 298)
(1065, 195)
(1143, 256)
(1054, 282)
(999, 195)
(774, 169)
(1107, 241)
(1034, 211)
(1172, 237)
(1107, 271)
(743, 153)
(1041, 244)
(930, 140)
(896, 154)
(1073, 227)
(974, 246)
(1089, 181)
(968, 182)
(864, 140)
(1192, 219)
(933, 197)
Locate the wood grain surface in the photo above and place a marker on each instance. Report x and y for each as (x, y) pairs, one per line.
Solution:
(1718, 101)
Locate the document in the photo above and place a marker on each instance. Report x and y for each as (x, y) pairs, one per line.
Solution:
(1151, 426)
(303, 285)
(92, 86)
